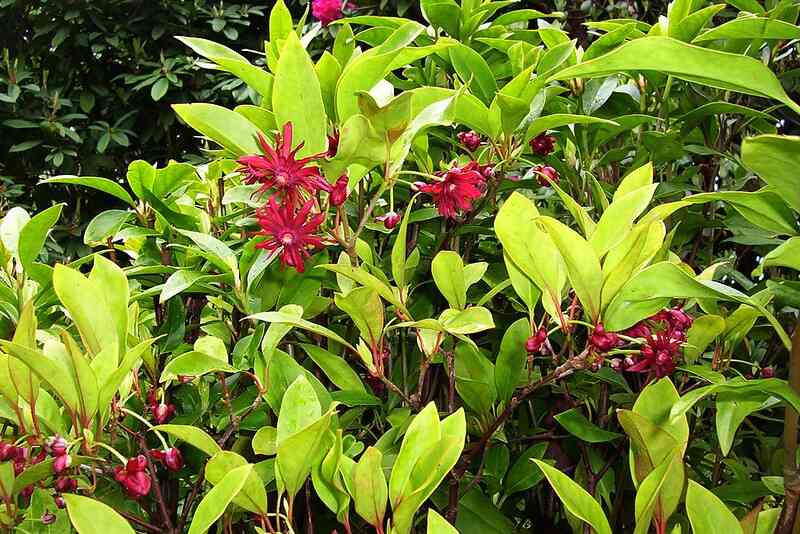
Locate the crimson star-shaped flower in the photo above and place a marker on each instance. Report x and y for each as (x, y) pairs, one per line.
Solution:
(278, 168)
(292, 231)
(456, 189)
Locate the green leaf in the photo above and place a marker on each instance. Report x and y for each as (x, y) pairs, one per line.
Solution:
(448, 274)
(576, 424)
(159, 89)
(617, 221)
(299, 408)
(297, 452)
(34, 233)
(703, 331)
(511, 359)
(470, 321)
(101, 184)
(280, 22)
(474, 378)
(722, 70)
(297, 97)
(194, 436)
(524, 474)
(438, 525)
(663, 486)
(399, 248)
(216, 251)
(707, 513)
(105, 225)
(335, 368)
(471, 66)
(576, 499)
(287, 318)
(194, 363)
(787, 254)
(636, 179)
(366, 279)
(218, 498)
(228, 128)
(583, 266)
(365, 308)
(370, 493)
(252, 496)
(751, 28)
(556, 120)
(90, 516)
(531, 249)
(775, 158)
(265, 441)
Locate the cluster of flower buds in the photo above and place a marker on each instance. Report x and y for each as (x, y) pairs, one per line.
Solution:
(133, 477)
(542, 144)
(470, 140)
(602, 341)
(664, 334)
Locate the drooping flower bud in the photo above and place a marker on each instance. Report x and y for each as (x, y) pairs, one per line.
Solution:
(163, 412)
(546, 175)
(471, 140)
(60, 503)
(767, 372)
(133, 477)
(171, 457)
(61, 463)
(65, 485)
(542, 144)
(48, 518)
(7, 451)
(389, 219)
(339, 193)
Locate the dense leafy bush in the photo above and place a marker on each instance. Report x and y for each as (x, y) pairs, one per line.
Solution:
(454, 276)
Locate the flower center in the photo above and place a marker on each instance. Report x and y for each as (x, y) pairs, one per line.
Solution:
(452, 187)
(287, 238)
(281, 179)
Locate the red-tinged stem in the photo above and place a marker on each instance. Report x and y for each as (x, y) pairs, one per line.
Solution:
(791, 473)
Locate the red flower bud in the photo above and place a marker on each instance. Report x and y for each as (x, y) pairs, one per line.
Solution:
(542, 144)
(184, 379)
(601, 340)
(26, 492)
(546, 175)
(62, 462)
(390, 219)
(333, 144)
(163, 412)
(172, 458)
(48, 518)
(471, 140)
(65, 485)
(60, 503)
(7, 451)
(339, 192)
(767, 372)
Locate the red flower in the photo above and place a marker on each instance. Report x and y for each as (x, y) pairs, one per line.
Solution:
(535, 342)
(546, 175)
(542, 144)
(133, 477)
(278, 169)
(601, 340)
(456, 190)
(163, 412)
(471, 140)
(172, 458)
(389, 219)
(326, 11)
(339, 191)
(659, 354)
(767, 372)
(58, 446)
(290, 231)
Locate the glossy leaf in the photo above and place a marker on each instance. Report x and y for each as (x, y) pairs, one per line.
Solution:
(576, 499)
